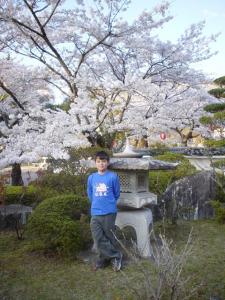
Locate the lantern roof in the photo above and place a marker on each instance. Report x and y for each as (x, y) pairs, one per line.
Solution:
(144, 163)
(133, 160)
(128, 163)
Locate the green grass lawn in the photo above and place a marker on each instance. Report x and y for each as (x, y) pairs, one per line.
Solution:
(25, 275)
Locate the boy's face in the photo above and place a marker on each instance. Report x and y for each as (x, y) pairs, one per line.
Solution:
(101, 164)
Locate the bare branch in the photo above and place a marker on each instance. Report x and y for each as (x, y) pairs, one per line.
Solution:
(88, 51)
(58, 87)
(10, 93)
(52, 13)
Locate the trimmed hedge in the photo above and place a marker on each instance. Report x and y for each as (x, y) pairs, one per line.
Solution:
(26, 195)
(56, 184)
(160, 180)
(60, 224)
(219, 164)
(214, 143)
(219, 211)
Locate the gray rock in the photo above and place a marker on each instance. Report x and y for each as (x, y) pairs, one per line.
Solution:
(189, 198)
(10, 214)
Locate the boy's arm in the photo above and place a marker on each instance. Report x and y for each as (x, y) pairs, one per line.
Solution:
(89, 188)
(116, 187)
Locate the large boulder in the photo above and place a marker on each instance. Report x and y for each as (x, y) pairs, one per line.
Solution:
(189, 198)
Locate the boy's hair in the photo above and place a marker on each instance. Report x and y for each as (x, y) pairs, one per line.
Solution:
(102, 155)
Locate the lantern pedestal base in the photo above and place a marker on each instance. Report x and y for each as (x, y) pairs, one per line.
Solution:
(141, 220)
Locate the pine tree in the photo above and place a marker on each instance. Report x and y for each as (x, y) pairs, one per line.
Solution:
(215, 119)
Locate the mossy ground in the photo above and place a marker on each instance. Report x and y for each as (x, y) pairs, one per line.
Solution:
(26, 275)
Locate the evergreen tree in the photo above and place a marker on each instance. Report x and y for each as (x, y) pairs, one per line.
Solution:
(215, 119)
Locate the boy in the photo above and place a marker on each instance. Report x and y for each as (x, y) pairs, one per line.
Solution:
(103, 190)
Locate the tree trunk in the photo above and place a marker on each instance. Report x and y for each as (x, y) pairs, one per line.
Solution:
(16, 175)
(184, 142)
(183, 139)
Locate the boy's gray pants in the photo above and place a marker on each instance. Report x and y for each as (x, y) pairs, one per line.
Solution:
(103, 233)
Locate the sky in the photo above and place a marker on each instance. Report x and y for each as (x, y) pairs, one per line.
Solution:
(187, 12)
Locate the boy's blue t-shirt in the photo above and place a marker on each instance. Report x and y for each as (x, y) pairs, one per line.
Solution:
(103, 192)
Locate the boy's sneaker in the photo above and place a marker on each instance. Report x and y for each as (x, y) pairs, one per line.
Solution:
(117, 263)
(100, 264)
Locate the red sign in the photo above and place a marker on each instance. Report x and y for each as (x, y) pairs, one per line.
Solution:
(162, 135)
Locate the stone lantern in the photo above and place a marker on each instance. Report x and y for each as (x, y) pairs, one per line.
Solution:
(133, 171)
(134, 182)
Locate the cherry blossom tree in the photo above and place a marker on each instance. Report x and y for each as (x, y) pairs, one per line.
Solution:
(141, 110)
(28, 128)
(92, 41)
(183, 114)
(21, 94)
(72, 42)
(116, 75)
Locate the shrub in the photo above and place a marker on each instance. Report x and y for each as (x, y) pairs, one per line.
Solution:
(61, 224)
(219, 164)
(158, 149)
(162, 276)
(71, 176)
(219, 211)
(206, 120)
(220, 188)
(160, 180)
(62, 183)
(26, 195)
(214, 143)
(44, 192)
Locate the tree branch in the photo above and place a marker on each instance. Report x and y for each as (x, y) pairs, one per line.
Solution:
(10, 93)
(52, 13)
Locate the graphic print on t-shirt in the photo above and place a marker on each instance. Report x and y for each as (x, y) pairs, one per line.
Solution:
(101, 190)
